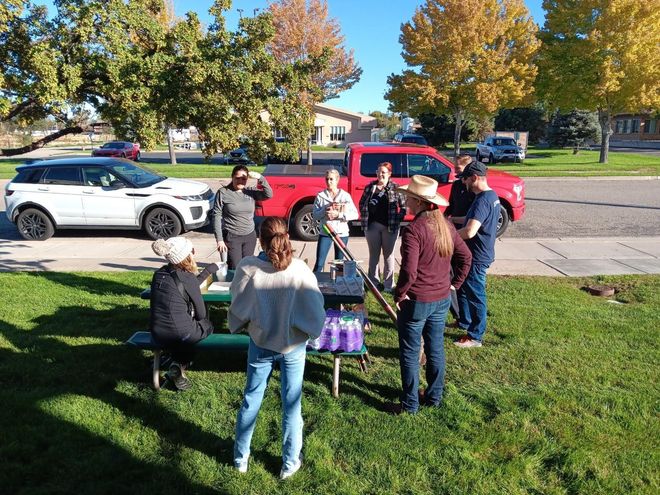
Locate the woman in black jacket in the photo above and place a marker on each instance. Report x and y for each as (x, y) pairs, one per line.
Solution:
(178, 315)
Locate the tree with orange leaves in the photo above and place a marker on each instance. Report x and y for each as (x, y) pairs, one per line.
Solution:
(303, 30)
(467, 58)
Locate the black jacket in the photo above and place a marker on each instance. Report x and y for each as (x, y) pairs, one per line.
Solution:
(170, 318)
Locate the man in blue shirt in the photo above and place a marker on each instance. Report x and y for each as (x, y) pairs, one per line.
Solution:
(479, 233)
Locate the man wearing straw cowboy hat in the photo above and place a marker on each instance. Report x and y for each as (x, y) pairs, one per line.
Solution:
(479, 232)
(430, 246)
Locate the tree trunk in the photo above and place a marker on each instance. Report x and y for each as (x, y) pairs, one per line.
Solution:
(41, 142)
(170, 146)
(310, 160)
(458, 116)
(605, 119)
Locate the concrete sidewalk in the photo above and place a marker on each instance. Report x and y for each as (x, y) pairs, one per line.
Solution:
(546, 257)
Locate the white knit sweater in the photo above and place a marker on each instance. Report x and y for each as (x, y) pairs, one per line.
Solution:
(279, 310)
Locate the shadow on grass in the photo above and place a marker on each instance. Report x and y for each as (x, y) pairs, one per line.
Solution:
(43, 378)
(91, 285)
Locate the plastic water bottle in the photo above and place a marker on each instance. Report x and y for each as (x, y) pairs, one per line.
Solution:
(345, 333)
(221, 274)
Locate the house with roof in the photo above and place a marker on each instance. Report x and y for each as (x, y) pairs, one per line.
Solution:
(334, 126)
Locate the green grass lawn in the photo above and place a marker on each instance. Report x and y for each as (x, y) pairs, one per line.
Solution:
(562, 399)
(563, 163)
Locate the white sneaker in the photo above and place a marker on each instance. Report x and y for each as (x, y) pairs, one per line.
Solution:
(287, 473)
(466, 341)
(241, 467)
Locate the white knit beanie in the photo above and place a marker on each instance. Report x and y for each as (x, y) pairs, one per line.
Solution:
(174, 249)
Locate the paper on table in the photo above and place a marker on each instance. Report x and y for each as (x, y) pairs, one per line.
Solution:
(219, 287)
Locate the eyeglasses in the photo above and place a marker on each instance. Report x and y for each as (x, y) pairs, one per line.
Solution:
(240, 177)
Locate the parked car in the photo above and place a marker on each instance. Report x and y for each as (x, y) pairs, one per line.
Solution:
(119, 149)
(274, 158)
(296, 186)
(239, 155)
(103, 193)
(500, 149)
(410, 138)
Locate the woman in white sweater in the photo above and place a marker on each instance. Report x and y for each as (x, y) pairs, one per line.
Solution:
(335, 207)
(276, 300)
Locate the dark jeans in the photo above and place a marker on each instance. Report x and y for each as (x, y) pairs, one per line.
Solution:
(414, 321)
(238, 247)
(323, 248)
(472, 302)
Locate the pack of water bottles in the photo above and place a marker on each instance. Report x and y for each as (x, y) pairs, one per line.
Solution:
(342, 331)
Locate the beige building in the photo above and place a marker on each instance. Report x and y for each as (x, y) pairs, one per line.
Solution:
(334, 126)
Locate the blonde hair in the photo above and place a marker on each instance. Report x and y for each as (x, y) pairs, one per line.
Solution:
(275, 242)
(187, 265)
(463, 160)
(442, 236)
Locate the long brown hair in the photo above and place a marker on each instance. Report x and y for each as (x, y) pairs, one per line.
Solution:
(187, 265)
(444, 242)
(275, 242)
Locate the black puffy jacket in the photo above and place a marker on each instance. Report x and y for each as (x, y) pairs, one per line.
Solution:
(170, 317)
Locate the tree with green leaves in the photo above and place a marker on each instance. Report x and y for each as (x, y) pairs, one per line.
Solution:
(465, 58)
(141, 73)
(38, 78)
(601, 56)
(530, 119)
(439, 129)
(576, 129)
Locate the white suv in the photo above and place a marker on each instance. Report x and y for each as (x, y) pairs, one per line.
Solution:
(103, 193)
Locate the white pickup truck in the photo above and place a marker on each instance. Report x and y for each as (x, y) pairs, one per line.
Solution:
(500, 149)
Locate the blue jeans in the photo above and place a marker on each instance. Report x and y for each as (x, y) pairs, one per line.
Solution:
(260, 367)
(414, 321)
(323, 248)
(472, 302)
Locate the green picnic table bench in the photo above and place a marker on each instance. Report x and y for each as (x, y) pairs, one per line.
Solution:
(240, 342)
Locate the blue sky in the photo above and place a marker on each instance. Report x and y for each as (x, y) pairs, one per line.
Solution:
(371, 28)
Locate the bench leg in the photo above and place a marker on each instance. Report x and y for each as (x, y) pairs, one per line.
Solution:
(335, 376)
(362, 362)
(367, 358)
(155, 377)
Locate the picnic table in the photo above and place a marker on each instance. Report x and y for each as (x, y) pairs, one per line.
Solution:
(240, 342)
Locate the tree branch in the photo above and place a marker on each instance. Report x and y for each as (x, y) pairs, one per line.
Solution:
(41, 142)
(18, 109)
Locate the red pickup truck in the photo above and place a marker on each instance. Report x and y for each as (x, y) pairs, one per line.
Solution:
(296, 186)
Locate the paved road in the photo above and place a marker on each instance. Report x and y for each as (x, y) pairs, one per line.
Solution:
(555, 208)
(589, 208)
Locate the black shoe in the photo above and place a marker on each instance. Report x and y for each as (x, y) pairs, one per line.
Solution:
(175, 375)
(165, 360)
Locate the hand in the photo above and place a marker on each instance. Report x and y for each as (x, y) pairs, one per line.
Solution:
(254, 175)
(404, 298)
(213, 267)
(332, 214)
(222, 247)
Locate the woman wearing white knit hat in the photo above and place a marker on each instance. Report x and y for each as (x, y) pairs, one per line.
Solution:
(178, 315)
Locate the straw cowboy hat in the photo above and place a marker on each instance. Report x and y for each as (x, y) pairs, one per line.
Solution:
(424, 188)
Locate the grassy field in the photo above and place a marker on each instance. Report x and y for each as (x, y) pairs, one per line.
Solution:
(540, 163)
(563, 163)
(562, 399)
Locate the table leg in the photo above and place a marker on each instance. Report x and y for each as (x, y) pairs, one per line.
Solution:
(155, 377)
(335, 376)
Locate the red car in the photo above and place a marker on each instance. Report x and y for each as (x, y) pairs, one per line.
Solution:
(121, 149)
